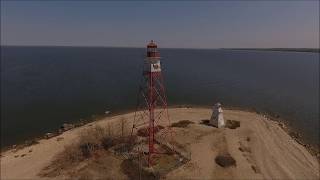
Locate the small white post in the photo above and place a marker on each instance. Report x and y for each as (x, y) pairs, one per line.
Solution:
(217, 119)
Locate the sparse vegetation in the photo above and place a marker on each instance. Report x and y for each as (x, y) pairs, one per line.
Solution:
(144, 131)
(182, 124)
(109, 129)
(91, 143)
(123, 124)
(134, 171)
(82, 159)
(164, 163)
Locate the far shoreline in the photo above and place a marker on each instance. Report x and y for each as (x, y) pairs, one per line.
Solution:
(314, 149)
(302, 50)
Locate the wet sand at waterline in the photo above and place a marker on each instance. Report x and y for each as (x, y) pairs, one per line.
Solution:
(260, 147)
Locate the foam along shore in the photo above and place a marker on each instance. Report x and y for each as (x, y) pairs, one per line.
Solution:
(261, 149)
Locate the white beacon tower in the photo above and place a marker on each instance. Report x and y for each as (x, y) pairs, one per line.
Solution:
(217, 116)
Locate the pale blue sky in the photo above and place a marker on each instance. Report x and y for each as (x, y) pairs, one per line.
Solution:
(190, 24)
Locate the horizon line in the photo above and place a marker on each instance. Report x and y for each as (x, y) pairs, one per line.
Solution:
(140, 47)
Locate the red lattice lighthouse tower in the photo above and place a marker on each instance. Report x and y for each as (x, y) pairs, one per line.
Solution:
(152, 102)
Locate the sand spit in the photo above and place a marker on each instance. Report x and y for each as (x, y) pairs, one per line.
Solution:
(261, 149)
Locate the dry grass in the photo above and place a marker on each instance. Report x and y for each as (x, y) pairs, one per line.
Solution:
(164, 163)
(135, 172)
(104, 166)
(91, 144)
(123, 126)
(64, 161)
(91, 140)
(144, 131)
(97, 152)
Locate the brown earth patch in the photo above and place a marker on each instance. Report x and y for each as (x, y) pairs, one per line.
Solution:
(225, 160)
(182, 124)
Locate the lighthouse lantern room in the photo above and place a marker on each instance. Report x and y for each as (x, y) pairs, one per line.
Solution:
(152, 61)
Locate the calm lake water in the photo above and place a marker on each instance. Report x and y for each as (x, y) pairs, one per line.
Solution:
(44, 87)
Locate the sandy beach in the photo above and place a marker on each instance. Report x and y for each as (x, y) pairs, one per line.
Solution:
(261, 148)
